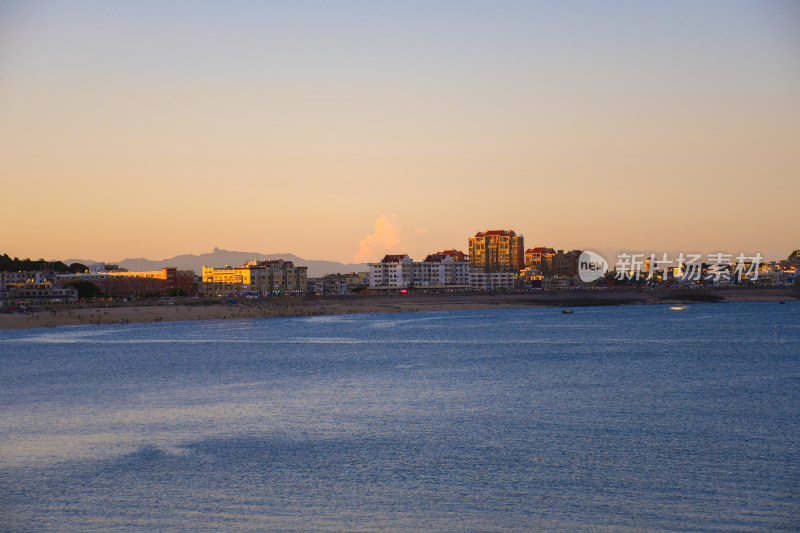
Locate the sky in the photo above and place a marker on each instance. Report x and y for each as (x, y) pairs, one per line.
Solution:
(347, 130)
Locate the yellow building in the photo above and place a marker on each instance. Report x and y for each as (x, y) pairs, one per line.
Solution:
(540, 258)
(255, 278)
(358, 280)
(497, 251)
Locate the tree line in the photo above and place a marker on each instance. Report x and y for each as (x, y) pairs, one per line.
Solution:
(7, 264)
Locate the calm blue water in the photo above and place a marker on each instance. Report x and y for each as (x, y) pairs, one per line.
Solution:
(636, 418)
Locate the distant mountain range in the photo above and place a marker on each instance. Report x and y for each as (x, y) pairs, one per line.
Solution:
(219, 258)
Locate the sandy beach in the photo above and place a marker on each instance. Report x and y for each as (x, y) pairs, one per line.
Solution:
(151, 312)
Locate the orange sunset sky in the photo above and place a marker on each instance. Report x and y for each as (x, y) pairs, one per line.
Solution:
(345, 130)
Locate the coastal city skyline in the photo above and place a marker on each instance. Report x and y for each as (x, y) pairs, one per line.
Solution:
(344, 132)
(374, 249)
(441, 265)
(494, 260)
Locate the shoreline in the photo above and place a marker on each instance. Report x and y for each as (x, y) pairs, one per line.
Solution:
(294, 306)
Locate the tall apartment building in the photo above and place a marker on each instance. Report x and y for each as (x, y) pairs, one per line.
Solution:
(256, 277)
(497, 251)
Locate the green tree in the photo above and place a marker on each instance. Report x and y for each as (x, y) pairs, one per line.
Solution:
(86, 289)
(27, 265)
(78, 268)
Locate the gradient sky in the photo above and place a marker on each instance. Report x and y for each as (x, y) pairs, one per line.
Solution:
(342, 130)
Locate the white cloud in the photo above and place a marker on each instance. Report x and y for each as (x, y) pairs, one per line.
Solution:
(380, 242)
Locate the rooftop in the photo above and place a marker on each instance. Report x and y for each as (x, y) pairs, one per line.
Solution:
(394, 258)
(540, 250)
(496, 232)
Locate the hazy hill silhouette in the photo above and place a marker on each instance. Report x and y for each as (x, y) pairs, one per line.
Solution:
(219, 258)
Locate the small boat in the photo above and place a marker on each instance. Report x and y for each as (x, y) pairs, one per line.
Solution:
(567, 312)
(781, 302)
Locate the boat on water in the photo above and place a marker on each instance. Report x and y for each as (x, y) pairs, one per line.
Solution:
(567, 311)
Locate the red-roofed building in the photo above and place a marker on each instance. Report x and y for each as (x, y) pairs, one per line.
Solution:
(456, 255)
(541, 259)
(442, 270)
(497, 251)
(394, 271)
(395, 258)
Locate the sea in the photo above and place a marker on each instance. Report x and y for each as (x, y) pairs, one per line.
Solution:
(627, 418)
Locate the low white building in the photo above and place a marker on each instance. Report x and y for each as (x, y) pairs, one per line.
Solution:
(15, 278)
(41, 292)
(441, 270)
(437, 271)
(491, 281)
